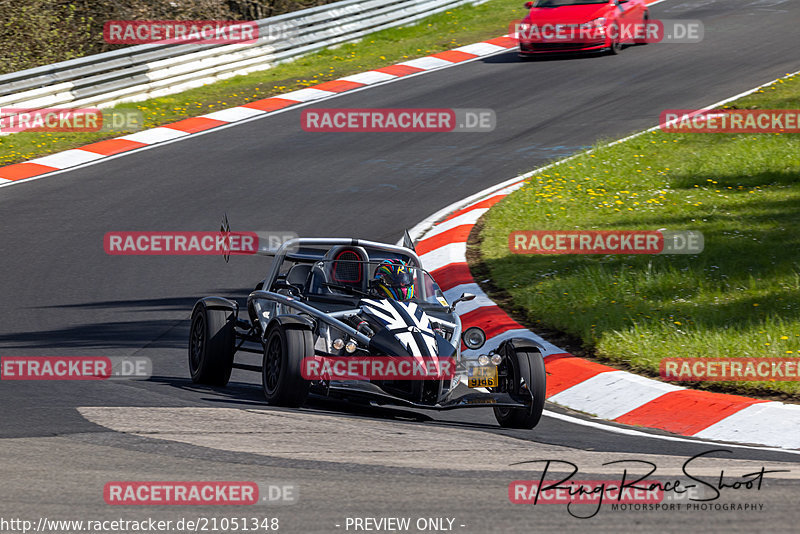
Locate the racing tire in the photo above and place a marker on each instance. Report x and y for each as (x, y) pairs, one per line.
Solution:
(212, 339)
(281, 376)
(616, 43)
(527, 365)
(645, 21)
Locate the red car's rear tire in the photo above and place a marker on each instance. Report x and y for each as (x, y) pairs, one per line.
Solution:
(615, 45)
(645, 22)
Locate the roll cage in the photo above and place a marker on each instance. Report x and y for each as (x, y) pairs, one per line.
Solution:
(313, 249)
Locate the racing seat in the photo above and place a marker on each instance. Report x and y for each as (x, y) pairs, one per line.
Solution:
(298, 275)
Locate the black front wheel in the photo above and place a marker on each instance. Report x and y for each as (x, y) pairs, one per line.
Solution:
(211, 345)
(281, 376)
(525, 380)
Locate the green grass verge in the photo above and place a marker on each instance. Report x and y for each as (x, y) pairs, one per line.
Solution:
(444, 31)
(739, 297)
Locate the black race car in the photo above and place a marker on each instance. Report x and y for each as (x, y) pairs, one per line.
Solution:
(340, 298)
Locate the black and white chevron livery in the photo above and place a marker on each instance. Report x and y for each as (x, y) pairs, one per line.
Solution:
(407, 322)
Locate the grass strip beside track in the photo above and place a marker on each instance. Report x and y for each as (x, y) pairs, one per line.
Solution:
(739, 297)
(444, 31)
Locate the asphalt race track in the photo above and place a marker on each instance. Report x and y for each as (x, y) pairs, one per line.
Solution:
(63, 296)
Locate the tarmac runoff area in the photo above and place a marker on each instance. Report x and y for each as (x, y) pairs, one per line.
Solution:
(301, 435)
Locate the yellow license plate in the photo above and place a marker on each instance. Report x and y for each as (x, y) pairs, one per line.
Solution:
(482, 377)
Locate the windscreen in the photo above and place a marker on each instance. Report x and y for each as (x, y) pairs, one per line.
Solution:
(559, 3)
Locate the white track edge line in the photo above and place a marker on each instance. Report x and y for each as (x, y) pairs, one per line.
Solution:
(639, 433)
(7, 183)
(258, 117)
(420, 229)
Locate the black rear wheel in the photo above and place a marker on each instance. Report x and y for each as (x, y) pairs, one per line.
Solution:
(211, 345)
(281, 376)
(525, 380)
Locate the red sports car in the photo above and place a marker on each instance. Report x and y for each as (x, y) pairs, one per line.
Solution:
(582, 25)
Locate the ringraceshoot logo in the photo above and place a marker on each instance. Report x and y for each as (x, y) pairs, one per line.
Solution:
(640, 488)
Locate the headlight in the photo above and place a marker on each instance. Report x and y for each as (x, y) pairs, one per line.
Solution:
(496, 359)
(351, 346)
(596, 23)
(474, 337)
(483, 359)
(338, 344)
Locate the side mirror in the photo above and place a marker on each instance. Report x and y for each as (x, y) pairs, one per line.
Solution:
(528, 5)
(463, 298)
